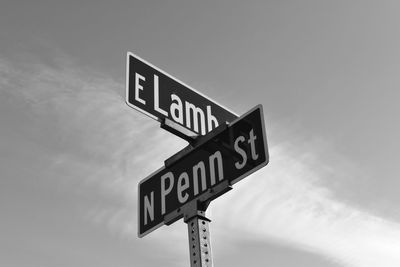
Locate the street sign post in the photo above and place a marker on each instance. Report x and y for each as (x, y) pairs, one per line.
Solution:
(222, 150)
(163, 97)
(223, 157)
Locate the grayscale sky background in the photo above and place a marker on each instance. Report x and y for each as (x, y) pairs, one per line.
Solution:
(72, 152)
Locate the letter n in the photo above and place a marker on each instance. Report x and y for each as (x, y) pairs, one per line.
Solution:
(149, 207)
(216, 156)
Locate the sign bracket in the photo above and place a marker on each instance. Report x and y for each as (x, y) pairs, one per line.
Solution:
(194, 142)
(198, 225)
(200, 203)
(178, 130)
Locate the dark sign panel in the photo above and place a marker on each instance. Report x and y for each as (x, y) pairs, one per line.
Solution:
(161, 96)
(230, 156)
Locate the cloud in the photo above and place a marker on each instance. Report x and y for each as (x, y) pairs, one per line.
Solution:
(287, 202)
(88, 135)
(80, 119)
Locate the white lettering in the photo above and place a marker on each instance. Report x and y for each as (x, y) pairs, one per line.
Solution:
(241, 152)
(149, 207)
(197, 112)
(166, 191)
(216, 156)
(183, 184)
(157, 98)
(200, 166)
(251, 141)
(138, 87)
(176, 108)
(210, 120)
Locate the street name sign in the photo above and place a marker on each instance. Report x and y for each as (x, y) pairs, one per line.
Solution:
(163, 97)
(230, 155)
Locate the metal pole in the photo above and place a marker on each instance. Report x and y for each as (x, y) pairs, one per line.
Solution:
(199, 240)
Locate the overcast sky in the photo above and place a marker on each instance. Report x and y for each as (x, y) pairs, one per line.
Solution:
(72, 152)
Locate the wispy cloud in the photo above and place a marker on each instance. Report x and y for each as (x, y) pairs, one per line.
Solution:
(81, 122)
(288, 203)
(81, 119)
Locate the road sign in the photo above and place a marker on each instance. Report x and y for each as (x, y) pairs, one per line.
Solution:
(229, 156)
(161, 96)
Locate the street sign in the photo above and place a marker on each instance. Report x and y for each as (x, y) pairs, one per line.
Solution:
(161, 96)
(226, 157)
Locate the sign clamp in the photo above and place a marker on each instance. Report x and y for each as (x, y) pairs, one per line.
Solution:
(201, 203)
(194, 141)
(198, 225)
(177, 130)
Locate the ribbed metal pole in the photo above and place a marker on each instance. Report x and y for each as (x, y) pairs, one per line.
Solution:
(199, 241)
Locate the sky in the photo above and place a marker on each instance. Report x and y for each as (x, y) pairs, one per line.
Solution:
(72, 152)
